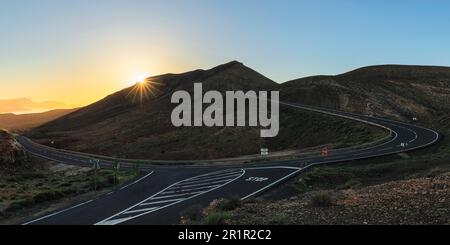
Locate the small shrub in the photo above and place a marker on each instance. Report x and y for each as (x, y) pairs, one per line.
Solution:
(300, 186)
(216, 218)
(322, 199)
(228, 204)
(47, 196)
(33, 175)
(19, 205)
(192, 215)
(40, 184)
(279, 219)
(112, 180)
(65, 184)
(72, 190)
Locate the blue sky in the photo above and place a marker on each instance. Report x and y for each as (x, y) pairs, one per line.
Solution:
(52, 43)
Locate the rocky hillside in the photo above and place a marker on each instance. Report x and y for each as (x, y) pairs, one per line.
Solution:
(400, 92)
(135, 122)
(12, 156)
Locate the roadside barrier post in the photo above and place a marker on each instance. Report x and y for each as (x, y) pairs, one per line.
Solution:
(116, 171)
(96, 167)
(136, 168)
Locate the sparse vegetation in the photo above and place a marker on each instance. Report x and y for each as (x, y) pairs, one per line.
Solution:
(425, 163)
(228, 204)
(385, 190)
(322, 199)
(279, 219)
(217, 213)
(351, 184)
(193, 215)
(216, 218)
(154, 136)
(35, 187)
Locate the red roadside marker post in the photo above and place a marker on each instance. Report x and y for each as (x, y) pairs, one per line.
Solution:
(325, 152)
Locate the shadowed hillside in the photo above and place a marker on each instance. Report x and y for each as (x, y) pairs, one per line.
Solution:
(400, 92)
(125, 126)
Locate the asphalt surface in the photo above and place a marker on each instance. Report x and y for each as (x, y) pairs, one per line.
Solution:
(163, 193)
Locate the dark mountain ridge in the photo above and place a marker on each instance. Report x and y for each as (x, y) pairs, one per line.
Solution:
(397, 91)
(124, 126)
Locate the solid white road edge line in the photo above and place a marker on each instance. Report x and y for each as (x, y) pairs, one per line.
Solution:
(137, 181)
(109, 221)
(59, 212)
(81, 204)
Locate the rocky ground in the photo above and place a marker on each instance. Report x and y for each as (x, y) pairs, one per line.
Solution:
(415, 201)
(12, 156)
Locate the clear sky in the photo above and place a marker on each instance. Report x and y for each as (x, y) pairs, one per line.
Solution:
(79, 51)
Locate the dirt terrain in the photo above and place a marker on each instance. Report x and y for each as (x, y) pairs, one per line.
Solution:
(395, 91)
(416, 201)
(12, 155)
(125, 126)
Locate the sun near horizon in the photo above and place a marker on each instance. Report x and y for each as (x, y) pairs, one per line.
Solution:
(78, 52)
(75, 95)
(137, 78)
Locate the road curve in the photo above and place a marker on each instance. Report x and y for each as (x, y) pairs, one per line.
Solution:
(163, 193)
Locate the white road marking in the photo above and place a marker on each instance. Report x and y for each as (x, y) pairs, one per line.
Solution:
(140, 210)
(137, 181)
(115, 219)
(196, 181)
(159, 202)
(59, 212)
(354, 118)
(203, 182)
(210, 183)
(415, 136)
(218, 175)
(272, 184)
(192, 189)
(81, 204)
(177, 195)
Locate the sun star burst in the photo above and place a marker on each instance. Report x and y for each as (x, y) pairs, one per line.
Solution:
(144, 90)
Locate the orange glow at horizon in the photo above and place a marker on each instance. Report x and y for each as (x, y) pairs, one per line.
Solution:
(85, 85)
(84, 76)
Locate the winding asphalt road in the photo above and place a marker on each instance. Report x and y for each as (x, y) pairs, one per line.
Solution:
(163, 193)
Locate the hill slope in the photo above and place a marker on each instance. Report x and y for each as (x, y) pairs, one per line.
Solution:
(124, 126)
(27, 105)
(13, 122)
(400, 92)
